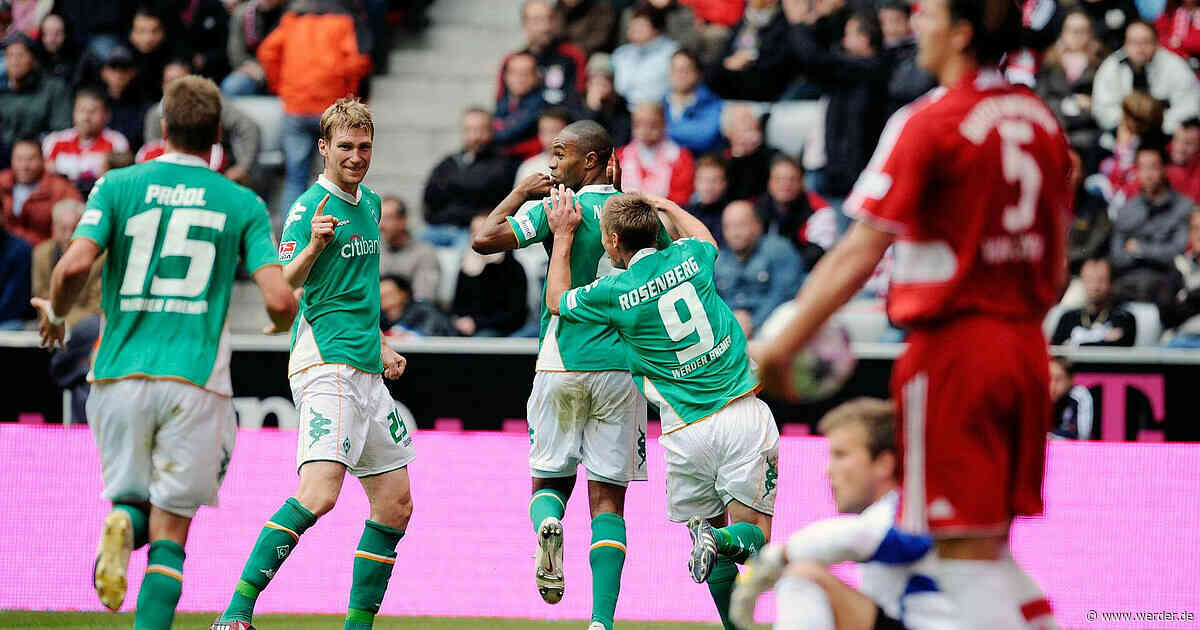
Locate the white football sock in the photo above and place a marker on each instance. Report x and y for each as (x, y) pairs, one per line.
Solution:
(991, 594)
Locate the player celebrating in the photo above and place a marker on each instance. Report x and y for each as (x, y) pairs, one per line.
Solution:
(160, 405)
(894, 594)
(584, 407)
(687, 354)
(970, 183)
(348, 420)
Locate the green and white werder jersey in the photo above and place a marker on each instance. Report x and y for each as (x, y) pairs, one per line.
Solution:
(174, 232)
(684, 347)
(574, 346)
(339, 310)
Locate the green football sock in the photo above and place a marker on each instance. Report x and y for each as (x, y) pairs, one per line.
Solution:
(739, 541)
(141, 523)
(373, 562)
(161, 587)
(720, 586)
(546, 502)
(275, 543)
(607, 557)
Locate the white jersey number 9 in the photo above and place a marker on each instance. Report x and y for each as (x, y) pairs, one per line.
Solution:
(679, 329)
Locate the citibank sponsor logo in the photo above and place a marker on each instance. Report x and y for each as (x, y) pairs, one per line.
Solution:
(359, 246)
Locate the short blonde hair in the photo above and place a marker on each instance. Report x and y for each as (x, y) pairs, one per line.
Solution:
(347, 113)
(877, 417)
(191, 107)
(634, 220)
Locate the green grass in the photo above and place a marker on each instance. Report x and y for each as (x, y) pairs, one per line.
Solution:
(12, 619)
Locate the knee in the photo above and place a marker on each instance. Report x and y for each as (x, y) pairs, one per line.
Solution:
(395, 513)
(317, 501)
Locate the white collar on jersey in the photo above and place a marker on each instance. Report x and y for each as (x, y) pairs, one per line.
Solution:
(334, 190)
(642, 253)
(597, 188)
(183, 159)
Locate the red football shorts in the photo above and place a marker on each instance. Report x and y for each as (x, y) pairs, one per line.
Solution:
(974, 403)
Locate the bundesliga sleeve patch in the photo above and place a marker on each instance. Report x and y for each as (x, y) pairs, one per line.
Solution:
(286, 250)
(526, 225)
(91, 216)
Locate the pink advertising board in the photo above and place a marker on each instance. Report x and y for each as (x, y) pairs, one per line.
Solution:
(1121, 531)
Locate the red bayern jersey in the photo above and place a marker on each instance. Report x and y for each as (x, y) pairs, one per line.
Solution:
(156, 148)
(76, 158)
(973, 182)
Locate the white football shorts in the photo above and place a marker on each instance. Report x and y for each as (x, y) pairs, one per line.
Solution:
(594, 418)
(731, 455)
(161, 441)
(348, 416)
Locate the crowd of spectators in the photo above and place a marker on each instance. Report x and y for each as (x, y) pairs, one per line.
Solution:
(688, 90)
(81, 81)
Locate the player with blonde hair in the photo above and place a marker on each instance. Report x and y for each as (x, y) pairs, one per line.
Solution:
(348, 420)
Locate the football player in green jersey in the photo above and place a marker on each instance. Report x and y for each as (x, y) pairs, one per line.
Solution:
(584, 408)
(160, 405)
(687, 354)
(348, 420)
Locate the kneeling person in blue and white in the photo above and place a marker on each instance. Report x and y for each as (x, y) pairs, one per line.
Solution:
(687, 355)
(897, 591)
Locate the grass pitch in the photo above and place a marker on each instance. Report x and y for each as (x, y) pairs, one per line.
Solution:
(14, 620)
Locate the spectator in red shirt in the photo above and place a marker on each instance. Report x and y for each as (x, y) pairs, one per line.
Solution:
(1178, 29)
(725, 12)
(1184, 171)
(78, 153)
(653, 163)
(28, 192)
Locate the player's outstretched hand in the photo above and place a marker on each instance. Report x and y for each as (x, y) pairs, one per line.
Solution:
(565, 212)
(761, 572)
(52, 334)
(613, 171)
(393, 364)
(323, 225)
(536, 186)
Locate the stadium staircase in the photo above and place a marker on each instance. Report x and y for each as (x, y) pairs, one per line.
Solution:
(433, 77)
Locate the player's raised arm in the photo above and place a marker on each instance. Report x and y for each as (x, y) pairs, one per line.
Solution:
(680, 223)
(565, 215)
(66, 283)
(296, 271)
(497, 235)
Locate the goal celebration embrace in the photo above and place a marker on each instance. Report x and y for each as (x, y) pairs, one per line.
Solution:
(800, 314)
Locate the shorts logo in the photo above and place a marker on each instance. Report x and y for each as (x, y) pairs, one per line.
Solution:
(281, 552)
(641, 446)
(316, 427)
(286, 250)
(346, 446)
(772, 475)
(531, 436)
(941, 509)
(270, 573)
